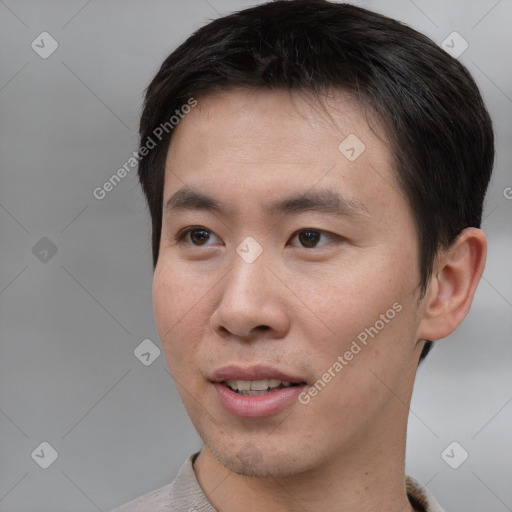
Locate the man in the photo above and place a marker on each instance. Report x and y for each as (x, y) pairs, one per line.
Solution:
(315, 174)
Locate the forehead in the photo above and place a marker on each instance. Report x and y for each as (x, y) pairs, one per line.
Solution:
(264, 141)
(288, 115)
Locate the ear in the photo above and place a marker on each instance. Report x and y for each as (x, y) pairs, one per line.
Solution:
(450, 291)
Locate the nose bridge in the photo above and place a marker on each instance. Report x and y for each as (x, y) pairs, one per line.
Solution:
(248, 279)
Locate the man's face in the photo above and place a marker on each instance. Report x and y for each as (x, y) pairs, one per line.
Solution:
(277, 279)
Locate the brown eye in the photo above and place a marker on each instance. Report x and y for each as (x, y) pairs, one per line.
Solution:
(313, 238)
(309, 239)
(199, 236)
(196, 236)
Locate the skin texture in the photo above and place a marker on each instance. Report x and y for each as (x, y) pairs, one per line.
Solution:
(298, 308)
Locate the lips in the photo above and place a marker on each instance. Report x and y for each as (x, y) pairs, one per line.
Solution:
(257, 391)
(253, 373)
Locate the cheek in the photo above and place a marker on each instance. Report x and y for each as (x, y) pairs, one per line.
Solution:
(363, 362)
(366, 310)
(178, 305)
(168, 304)
(178, 292)
(350, 295)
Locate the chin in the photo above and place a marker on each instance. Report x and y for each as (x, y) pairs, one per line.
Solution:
(249, 459)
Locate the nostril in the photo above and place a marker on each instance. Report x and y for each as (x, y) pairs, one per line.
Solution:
(223, 330)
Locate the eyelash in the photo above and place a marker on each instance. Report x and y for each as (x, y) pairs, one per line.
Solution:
(180, 237)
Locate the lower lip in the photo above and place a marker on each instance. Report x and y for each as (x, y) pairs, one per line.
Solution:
(258, 406)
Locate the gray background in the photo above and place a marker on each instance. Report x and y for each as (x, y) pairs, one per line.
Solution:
(70, 322)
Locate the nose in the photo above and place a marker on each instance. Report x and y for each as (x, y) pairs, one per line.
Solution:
(252, 303)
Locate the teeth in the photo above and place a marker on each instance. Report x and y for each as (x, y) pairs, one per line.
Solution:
(241, 385)
(260, 385)
(256, 385)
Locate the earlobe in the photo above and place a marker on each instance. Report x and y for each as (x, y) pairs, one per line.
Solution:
(452, 286)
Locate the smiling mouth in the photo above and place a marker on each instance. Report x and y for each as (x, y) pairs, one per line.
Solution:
(258, 387)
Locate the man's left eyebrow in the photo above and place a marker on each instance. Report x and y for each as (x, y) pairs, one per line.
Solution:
(323, 201)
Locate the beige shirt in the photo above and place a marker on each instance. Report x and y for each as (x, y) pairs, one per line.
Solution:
(184, 494)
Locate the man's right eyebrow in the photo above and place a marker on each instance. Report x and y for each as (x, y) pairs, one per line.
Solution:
(188, 199)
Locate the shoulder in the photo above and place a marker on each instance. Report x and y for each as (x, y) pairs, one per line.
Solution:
(158, 500)
(184, 494)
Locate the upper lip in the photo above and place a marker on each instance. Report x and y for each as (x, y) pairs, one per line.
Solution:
(234, 372)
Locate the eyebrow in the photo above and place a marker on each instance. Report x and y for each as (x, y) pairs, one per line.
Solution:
(323, 201)
(188, 199)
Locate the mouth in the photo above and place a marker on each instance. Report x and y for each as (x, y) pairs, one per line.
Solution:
(258, 387)
(257, 391)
